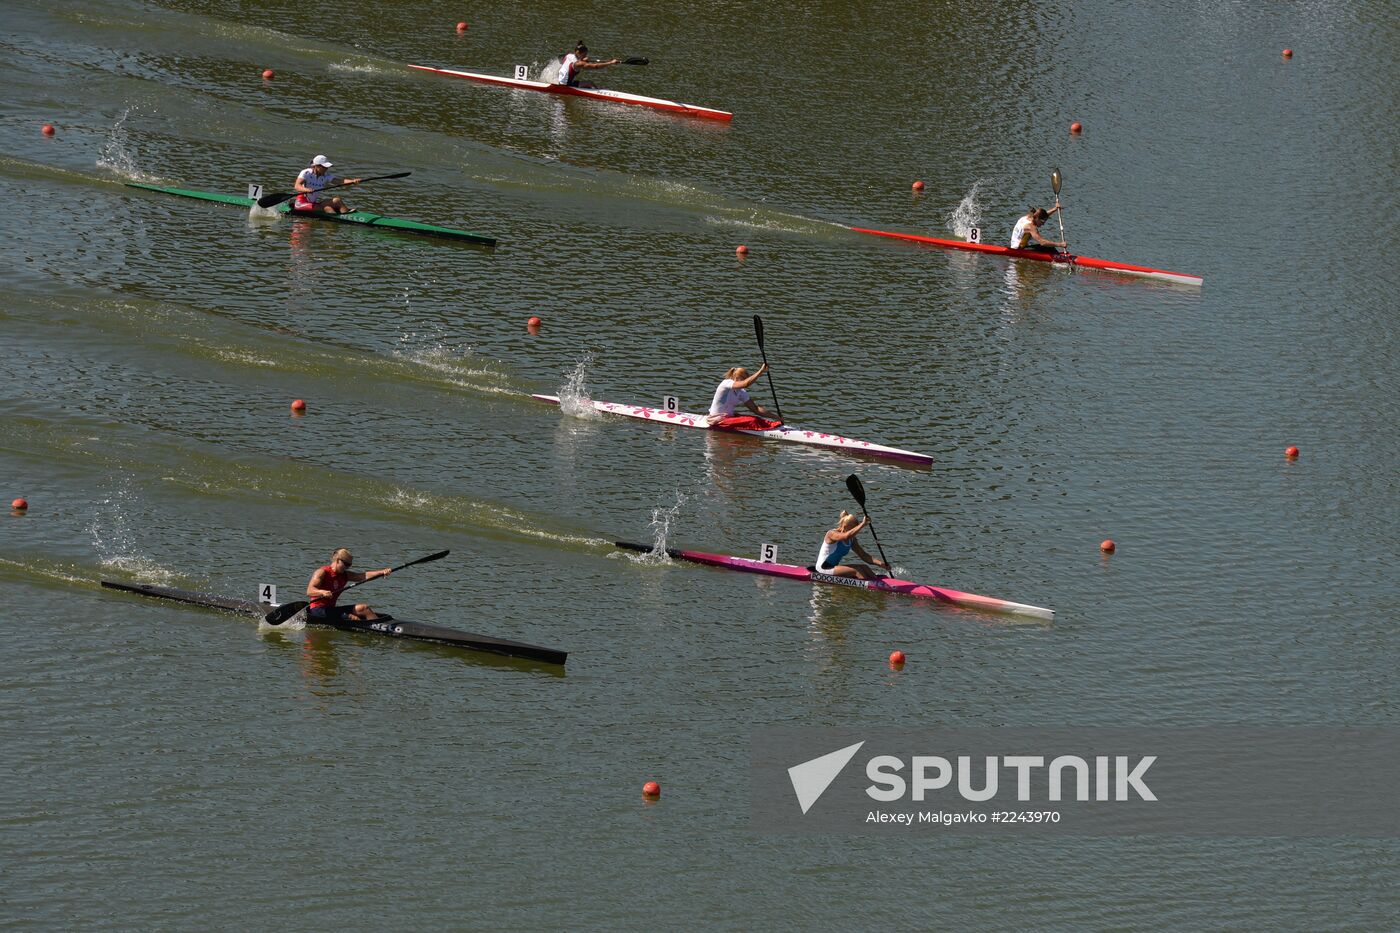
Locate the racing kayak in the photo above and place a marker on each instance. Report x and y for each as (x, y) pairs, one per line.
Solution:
(353, 217)
(593, 93)
(385, 625)
(783, 433)
(882, 585)
(1064, 259)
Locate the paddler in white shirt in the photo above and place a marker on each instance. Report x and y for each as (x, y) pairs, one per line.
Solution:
(571, 69)
(309, 183)
(1027, 229)
(840, 541)
(731, 393)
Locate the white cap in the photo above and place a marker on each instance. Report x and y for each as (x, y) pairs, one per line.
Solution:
(321, 160)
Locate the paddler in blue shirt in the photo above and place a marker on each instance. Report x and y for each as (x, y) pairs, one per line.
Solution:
(575, 62)
(840, 541)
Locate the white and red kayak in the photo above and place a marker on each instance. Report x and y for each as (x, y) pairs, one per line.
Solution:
(782, 433)
(1078, 262)
(882, 585)
(593, 93)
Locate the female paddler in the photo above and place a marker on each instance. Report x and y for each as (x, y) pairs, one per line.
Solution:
(733, 392)
(572, 66)
(323, 589)
(1028, 228)
(309, 183)
(840, 541)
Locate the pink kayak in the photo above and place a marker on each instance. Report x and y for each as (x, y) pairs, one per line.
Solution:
(882, 585)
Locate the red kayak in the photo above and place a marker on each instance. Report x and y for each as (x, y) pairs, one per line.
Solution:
(1065, 259)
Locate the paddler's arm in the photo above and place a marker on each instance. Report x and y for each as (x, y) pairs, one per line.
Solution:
(757, 409)
(615, 61)
(315, 587)
(1035, 235)
(369, 575)
(745, 383)
(862, 553)
(834, 535)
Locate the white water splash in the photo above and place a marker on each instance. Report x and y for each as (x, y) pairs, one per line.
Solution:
(362, 68)
(550, 72)
(663, 520)
(116, 154)
(573, 394)
(115, 542)
(968, 213)
(296, 623)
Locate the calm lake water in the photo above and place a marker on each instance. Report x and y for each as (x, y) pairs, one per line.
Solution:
(169, 767)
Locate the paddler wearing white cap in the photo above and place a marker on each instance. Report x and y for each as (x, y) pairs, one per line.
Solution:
(311, 180)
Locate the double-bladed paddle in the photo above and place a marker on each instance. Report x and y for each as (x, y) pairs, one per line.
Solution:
(277, 197)
(1055, 181)
(758, 332)
(858, 491)
(285, 611)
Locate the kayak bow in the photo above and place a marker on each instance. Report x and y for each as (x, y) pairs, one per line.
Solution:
(593, 93)
(1079, 262)
(882, 585)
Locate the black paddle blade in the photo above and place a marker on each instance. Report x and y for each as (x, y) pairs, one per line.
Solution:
(1056, 180)
(284, 612)
(636, 61)
(277, 197)
(758, 329)
(857, 490)
(423, 560)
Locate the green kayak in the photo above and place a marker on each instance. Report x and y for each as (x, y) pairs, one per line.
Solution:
(354, 217)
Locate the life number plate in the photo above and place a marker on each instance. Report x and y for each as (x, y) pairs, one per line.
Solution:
(522, 72)
(267, 593)
(768, 553)
(254, 192)
(671, 403)
(974, 235)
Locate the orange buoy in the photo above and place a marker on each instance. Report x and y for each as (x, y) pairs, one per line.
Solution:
(48, 129)
(298, 406)
(268, 74)
(741, 250)
(1107, 546)
(461, 27)
(533, 324)
(651, 790)
(1291, 453)
(1076, 128)
(20, 504)
(1287, 53)
(896, 658)
(917, 186)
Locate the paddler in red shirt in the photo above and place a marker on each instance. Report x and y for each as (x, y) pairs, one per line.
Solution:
(327, 582)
